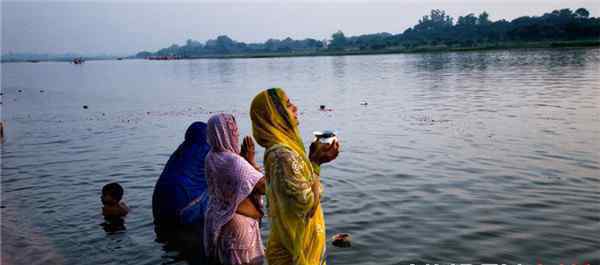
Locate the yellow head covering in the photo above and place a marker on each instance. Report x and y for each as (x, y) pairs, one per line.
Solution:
(272, 123)
(292, 239)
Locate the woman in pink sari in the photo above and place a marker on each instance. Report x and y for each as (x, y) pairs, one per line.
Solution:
(235, 187)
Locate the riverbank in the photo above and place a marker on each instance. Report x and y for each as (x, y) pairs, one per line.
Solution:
(419, 49)
(394, 50)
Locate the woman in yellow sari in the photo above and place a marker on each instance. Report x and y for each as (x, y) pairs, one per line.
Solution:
(297, 235)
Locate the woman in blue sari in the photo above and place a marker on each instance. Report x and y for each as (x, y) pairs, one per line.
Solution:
(179, 198)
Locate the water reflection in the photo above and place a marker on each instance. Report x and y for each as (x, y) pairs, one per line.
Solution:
(432, 62)
(225, 70)
(197, 69)
(338, 63)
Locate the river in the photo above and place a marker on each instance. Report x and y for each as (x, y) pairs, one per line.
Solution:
(467, 157)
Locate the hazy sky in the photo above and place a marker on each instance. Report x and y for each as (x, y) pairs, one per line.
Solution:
(129, 27)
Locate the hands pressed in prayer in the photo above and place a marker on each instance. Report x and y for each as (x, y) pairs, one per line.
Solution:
(248, 151)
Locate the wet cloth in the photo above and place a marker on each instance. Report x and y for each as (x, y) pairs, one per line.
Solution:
(294, 239)
(230, 237)
(182, 185)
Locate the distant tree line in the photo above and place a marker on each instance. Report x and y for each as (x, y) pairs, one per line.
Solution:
(225, 45)
(435, 29)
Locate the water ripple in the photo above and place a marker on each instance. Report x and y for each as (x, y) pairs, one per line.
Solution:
(467, 157)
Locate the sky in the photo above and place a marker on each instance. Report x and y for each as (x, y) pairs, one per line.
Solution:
(127, 27)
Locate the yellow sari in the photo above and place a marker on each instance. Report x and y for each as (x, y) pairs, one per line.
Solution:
(295, 238)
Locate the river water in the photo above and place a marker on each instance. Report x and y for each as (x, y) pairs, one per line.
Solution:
(472, 157)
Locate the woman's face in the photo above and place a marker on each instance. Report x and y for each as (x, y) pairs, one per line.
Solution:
(292, 109)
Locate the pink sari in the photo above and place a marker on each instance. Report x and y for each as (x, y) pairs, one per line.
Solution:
(232, 238)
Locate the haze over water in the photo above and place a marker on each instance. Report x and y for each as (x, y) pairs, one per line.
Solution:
(473, 157)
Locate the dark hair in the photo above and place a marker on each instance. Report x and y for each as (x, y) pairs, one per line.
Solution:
(114, 190)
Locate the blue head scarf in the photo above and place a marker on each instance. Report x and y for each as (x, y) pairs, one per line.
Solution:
(183, 180)
(186, 164)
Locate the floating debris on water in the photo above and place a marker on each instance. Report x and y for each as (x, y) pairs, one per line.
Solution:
(547, 105)
(342, 240)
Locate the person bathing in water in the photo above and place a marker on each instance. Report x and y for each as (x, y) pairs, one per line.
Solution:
(323, 108)
(114, 210)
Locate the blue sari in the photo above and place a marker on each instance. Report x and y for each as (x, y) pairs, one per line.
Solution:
(179, 196)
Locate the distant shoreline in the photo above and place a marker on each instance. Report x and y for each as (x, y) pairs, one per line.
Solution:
(420, 49)
(65, 60)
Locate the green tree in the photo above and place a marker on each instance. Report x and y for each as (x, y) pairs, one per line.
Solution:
(484, 19)
(582, 13)
(224, 44)
(338, 41)
(566, 12)
(468, 20)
